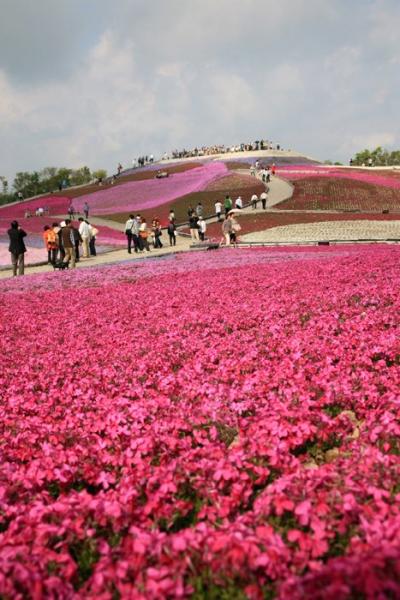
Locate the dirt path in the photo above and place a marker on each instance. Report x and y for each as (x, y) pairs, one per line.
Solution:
(115, 256)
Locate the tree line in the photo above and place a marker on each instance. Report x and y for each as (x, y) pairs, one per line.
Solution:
(378, 157)
(46, 181)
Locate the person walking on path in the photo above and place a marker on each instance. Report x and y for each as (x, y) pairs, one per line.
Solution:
(84, 231)
(60, 242)
(228, 204)
(235, 228)
(50, 241)
(77, 241)
(218, 209)
(68, 242)
(92, 241)
(264, 198)
(144, 234)
(239, 202)
(129, 233)
(194, 228)
(86, 210)
(71, 211)
(202, 228)
(157, 233)
(17, 248)
(254, 201)
(171, 233)
(227, 230)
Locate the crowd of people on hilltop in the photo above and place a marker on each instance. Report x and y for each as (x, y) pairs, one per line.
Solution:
(214, 149)
(141, 161)
(223, 149)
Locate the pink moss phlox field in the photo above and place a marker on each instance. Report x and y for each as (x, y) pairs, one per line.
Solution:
(207, 422)
(150, 193)
(58, 205)
(295, 172)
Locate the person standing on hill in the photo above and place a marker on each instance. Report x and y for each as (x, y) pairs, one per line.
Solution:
(227, 230)
(92, 241)
(77, 241)
(86, 210)
(84, 231)
(68, 242)
(239, 202)
(254, 201)
(194, 227)
(202, 228)
(171, 233)
(199, 209)
(128, 232)
(50, 241)
(144, 234)
(17, 248)
(156, 229)
(218, 209)
(264, 198)
(228, 204)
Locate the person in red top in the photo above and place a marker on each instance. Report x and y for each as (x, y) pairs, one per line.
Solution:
(50, 241)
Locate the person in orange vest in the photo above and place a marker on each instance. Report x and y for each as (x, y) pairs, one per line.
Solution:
(50, 241)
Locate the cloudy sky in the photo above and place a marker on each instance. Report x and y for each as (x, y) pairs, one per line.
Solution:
(96, 82)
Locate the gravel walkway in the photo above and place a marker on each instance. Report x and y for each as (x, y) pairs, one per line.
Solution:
(328, 230)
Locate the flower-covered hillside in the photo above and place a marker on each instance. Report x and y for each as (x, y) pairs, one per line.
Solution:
(220, 424)
(325, 193)
(317, 187)
(140, 195)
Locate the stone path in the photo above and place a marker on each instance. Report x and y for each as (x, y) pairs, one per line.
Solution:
(183, 244)
(327, 230)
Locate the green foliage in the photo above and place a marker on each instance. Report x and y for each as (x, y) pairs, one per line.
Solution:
(100, 174)
(48, 180)
(205, 588)
(380, 157)
(85, 554)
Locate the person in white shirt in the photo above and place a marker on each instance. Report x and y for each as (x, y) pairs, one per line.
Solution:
(239, 202)
(218, 209)
(254, 201)
(202, 228)
(84, 231)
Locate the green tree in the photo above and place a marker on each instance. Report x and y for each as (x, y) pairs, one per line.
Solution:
(100, 174)
(81, 176)
(27, 183)
(4, 184)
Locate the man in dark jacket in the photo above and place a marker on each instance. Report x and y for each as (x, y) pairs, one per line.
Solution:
(68, 242)
(17, 247)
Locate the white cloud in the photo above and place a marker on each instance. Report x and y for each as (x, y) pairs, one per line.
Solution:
(148, 77)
